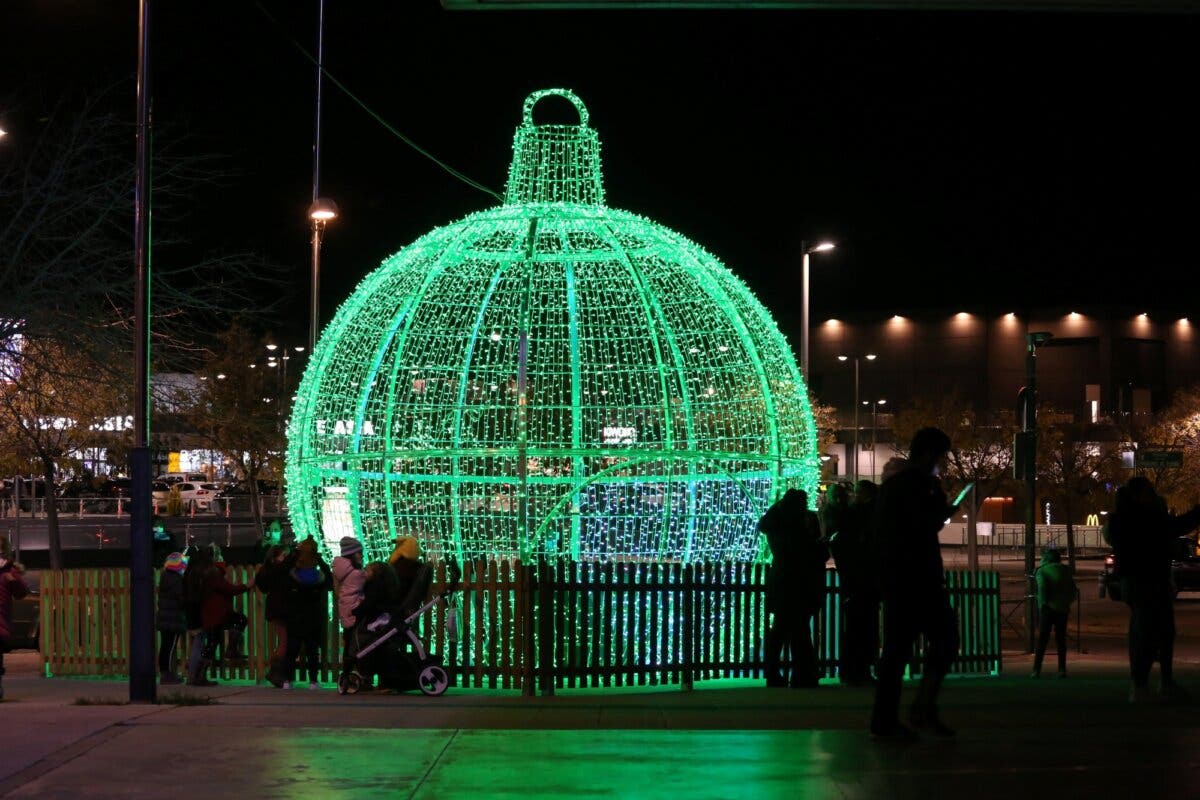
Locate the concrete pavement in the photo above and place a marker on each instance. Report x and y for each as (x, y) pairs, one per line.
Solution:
(1018, 738)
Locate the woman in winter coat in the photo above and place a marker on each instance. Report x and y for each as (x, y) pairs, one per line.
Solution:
(210, 595)
(12, 587)
(171, 621)
(274, 581)
(308, 611)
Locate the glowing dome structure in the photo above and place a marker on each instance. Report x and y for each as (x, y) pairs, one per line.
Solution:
(550, 377)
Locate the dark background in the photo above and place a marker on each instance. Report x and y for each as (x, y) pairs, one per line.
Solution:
(965, 161)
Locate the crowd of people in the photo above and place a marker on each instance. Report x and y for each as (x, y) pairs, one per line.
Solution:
(884, 543)
(895, 524)
(196, 598)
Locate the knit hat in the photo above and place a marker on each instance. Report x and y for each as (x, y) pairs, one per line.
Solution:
(406, 547)
(306, 553)
(175, 562)
(350, 546)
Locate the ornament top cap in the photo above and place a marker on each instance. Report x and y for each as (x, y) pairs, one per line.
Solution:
(567, 94)
(555, 163)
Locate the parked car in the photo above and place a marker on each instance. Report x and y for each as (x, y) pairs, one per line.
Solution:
(180, 477)
(242, 489)
(198, 495)
(160, 491)
(1185, 571)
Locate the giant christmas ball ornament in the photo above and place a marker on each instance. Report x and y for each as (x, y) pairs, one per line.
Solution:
(550, 377)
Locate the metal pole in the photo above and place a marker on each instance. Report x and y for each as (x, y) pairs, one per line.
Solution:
(314, 300)
(313, 310)
(875, 427)
(141, 571)
(804, 312)
(17, 514)
(1030, 424)
(856, 419)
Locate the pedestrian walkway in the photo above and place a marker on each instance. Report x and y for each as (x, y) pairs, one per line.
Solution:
(1019, 738)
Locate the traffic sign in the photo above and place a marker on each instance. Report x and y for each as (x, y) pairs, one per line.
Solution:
(1157, 459)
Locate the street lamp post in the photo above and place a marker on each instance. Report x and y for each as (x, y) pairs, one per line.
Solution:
(874, 430)
(869, 357)
(1027, 464)
(320, 213)
(142, 671)
(807, 251)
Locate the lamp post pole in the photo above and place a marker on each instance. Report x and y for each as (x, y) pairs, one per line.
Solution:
(856, 420)
(806, 252)
(869, 357)
(1028, 463)
(804, 312)
(142, 687)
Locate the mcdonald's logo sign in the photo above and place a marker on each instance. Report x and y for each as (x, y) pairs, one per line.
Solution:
(1093, 519)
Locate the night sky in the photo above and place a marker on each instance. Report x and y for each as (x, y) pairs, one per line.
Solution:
(965, 161)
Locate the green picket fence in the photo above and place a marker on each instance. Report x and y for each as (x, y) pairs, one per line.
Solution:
(544, 626)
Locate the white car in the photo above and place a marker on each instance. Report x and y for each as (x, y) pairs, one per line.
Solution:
(199, 495)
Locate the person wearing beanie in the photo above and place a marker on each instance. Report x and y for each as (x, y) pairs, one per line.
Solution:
(405, 561)
(170, 620)
(1056, 592)
(12, 587)
(349, 586)
(912, 510)
(404, 547)
(308, 611)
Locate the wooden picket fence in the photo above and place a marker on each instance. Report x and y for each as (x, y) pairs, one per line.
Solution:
(541, 626)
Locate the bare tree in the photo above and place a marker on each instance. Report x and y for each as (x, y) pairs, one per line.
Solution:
(1074, 465)
(238, 410)
(66, 276)
(66, 188)
(981, 444)
(51, 409)
(1176, 428)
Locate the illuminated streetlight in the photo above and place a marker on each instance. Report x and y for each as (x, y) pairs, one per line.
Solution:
(868, 357)
(320, 213)
(220, 376)
(272, 347)
(823, 247)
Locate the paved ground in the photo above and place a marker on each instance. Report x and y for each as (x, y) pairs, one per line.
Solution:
(1019, 738)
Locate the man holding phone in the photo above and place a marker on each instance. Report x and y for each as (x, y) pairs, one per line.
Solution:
(912, 511)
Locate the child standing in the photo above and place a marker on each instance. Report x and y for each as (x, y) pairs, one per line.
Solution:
(1056, 592)
(171, 621)
(349, 582)
(12, 587)
(273, 580)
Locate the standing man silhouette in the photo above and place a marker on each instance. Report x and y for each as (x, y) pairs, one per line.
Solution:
(912, 510)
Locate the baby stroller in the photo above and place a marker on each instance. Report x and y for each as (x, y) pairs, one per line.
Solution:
(382, 644)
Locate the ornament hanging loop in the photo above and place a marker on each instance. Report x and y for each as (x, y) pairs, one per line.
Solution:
(566, 94)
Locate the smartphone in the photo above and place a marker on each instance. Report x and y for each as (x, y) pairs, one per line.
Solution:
(963, 494)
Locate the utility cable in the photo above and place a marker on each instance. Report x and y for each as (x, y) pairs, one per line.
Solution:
(372, 113)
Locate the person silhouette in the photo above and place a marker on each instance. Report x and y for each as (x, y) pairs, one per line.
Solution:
(1143, 532)
(912, 510)
(1056, 592)
(854, 551)
(795, 587)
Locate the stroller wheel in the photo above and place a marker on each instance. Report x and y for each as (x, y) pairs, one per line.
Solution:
(349, 683)
(433, 680)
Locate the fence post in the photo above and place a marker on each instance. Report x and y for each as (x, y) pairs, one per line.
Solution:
(545, 612)
(689, 622)
(525, 610)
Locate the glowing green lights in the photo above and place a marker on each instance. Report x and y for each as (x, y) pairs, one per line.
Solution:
(550, 376)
